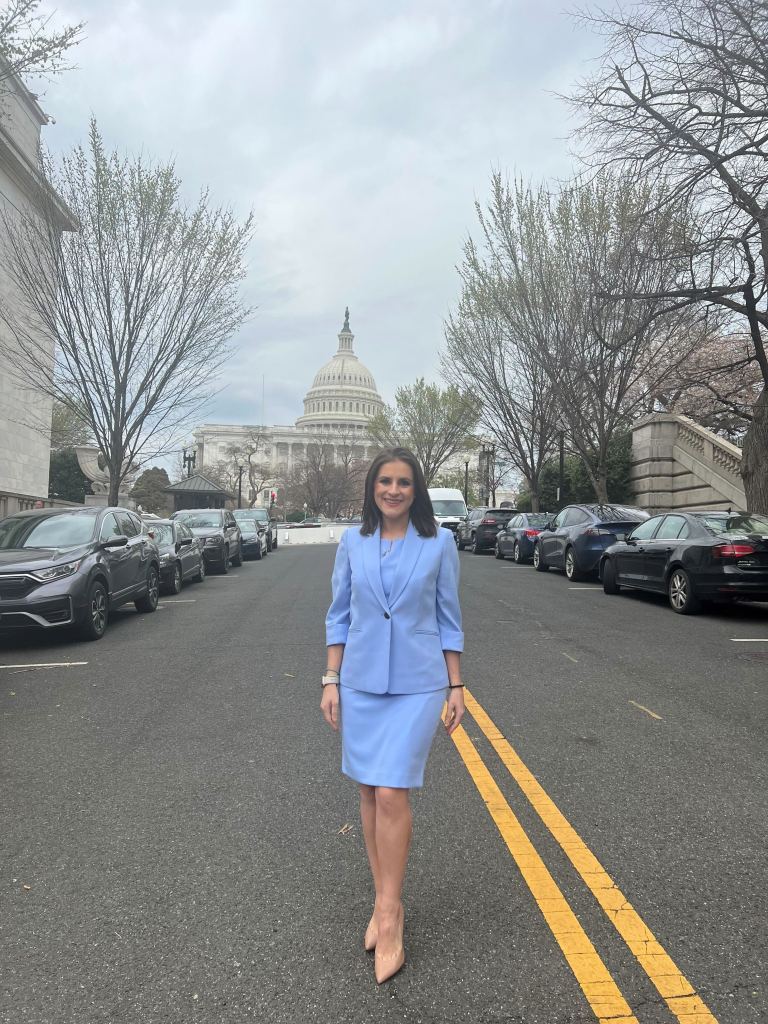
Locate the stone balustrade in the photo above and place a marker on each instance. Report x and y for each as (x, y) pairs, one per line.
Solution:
(676, 463)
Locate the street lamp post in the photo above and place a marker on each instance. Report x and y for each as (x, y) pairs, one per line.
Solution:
(239, 485)
(466, 481)
(189, 462)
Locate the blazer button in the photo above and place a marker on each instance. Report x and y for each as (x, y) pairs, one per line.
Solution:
(387, 615)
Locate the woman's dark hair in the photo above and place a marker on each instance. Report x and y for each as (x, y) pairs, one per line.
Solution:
(421, 512)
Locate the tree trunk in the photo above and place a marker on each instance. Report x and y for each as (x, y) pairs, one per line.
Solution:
(754, 462)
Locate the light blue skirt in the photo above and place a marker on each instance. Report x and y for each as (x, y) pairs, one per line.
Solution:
(386, 737)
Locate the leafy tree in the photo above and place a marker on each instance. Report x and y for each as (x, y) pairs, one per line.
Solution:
(433, 422)
(578, 487)
(68, 428)
(66, 480)
(149, 490)
(140, 302)
(29, 45)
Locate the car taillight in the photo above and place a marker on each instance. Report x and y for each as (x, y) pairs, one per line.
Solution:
(531, 533)
(488, 522)
(732, 550)
(598, 531)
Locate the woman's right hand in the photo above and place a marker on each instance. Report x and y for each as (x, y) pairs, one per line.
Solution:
(329, 705)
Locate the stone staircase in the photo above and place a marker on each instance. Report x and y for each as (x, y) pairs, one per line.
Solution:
(678, 464)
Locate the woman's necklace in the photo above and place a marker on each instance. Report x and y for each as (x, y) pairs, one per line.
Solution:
(386, 551)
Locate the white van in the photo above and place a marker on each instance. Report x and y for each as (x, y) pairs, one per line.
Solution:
(448, 505)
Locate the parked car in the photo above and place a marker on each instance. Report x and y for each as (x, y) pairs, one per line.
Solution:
(516, 539)
(219, 532)
(181, 553)
(261, 515)
(579, 534)
(692, 557)
(254, 535)
(480, 527)
(62, 567)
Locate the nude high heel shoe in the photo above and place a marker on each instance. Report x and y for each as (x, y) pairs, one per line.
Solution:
(371, 934)
(386, 965)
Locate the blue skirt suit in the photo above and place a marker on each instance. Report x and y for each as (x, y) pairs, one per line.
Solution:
(395, 608)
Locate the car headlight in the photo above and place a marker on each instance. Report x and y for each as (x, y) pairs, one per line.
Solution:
(165, 559)
(213, 540)
(57, 572)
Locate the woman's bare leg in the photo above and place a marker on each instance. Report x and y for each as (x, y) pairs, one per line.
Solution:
(393, 840)
(368, 818)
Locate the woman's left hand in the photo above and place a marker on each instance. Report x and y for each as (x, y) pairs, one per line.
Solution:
(455, 710)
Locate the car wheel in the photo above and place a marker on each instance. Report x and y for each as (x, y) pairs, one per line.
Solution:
(177, 581)
(258, 554)
(682, 596)
(201, 571)
(538, 561)
(274, 543)
(516, 557)
(571, 569)
(498, 552)
(224, 563)
(148, 603)
(610, 586)
(269, 545)
(237, 560)
(94, 625)
(459, 542)
(475, 547)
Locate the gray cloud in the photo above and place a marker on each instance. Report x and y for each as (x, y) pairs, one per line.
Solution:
(359, 133)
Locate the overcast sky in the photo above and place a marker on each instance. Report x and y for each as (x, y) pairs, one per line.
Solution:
(359, 133)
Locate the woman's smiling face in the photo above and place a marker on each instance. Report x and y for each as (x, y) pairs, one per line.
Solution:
(393, 490)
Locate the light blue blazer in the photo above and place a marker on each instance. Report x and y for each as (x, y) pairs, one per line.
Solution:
(395, 645)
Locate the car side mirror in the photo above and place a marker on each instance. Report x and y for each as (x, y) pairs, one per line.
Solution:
(629, 540)
(185, 542)
(115, 542)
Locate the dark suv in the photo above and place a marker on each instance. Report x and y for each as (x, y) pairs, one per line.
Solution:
(219, 532)
(480, 527)
(70, 566)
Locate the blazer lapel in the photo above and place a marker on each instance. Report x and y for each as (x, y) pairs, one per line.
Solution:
(413, 545)
(372, 564)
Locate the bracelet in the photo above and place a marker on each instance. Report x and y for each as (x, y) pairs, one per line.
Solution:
(331, 672)
(455, 686)
(329, 681)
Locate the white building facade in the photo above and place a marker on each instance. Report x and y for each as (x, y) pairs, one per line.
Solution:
(337, 408)
(25, 414)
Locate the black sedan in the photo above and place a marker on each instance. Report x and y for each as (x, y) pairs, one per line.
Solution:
(255, 540)
(181, 553)
(480, 527)
(692, 557)
(62, 567)
(515, 541)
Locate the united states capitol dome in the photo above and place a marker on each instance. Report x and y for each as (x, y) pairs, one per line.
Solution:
(343, 393)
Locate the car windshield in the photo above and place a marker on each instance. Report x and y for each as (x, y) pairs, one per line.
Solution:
(162, 534)
(446, 507)
(538, 518)
(194, 520)
(617, 513)
(61, 530)
(249, 514)
(247, 525)
(733, 522)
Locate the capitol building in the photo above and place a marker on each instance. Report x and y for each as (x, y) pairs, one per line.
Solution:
(337, 407)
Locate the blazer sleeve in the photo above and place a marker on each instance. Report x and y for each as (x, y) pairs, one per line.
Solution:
(337, 619)
(448, 610)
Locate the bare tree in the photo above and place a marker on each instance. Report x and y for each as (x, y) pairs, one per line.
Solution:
(30, 45)
(67, 427)
(139, 304)
(681, 101)
(485, 355)
(433, 422)
(558, 270)
(250, 456)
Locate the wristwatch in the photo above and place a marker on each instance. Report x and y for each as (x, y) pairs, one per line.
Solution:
(327, 680)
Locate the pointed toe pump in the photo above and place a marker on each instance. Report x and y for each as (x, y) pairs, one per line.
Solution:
(386, 965)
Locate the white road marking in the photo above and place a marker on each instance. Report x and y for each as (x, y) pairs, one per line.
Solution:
(749, 640)
(647, 711)
(575, 662)
(585, 588)
(183, 600)
(48, 664)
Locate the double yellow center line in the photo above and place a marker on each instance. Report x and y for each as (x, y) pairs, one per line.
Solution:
(596, 981)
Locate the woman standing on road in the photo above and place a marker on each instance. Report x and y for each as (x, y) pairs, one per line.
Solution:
(394, 640)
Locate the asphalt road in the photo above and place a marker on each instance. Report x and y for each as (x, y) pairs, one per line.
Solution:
(178, 844)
